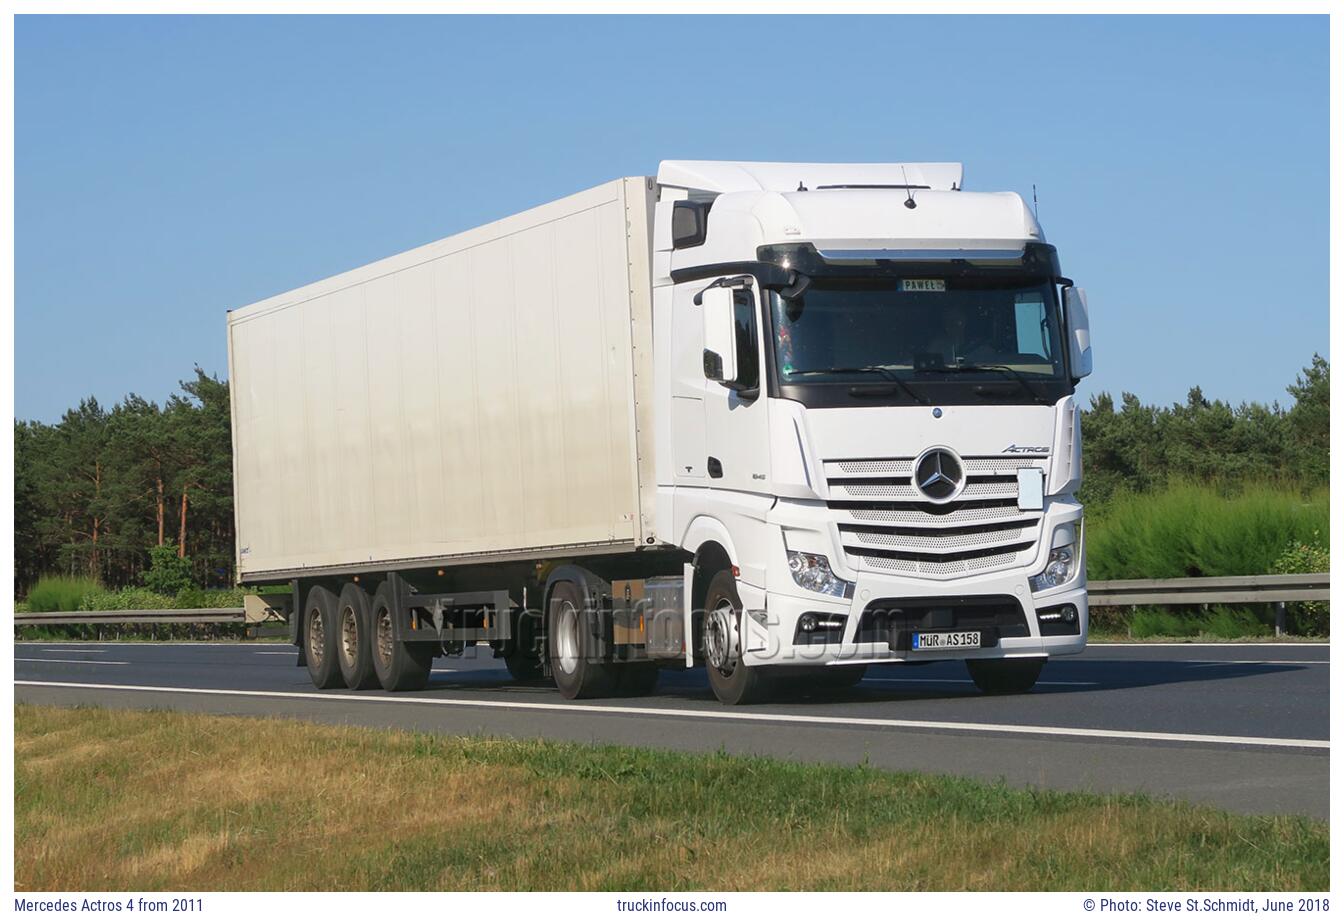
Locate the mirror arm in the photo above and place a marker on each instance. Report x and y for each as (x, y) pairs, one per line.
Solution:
(736, 281)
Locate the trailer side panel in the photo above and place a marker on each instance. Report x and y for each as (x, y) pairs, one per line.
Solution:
(467, 398)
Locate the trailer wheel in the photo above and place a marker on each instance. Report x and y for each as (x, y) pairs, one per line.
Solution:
(319, 638)
(356, 650)
(1007, 675)
(575, 676)
(398, 665)
(732, 681)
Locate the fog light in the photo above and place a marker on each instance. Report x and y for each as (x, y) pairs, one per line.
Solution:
(807, 622)
(1066, 614)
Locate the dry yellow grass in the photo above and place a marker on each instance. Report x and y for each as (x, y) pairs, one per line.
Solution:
(115, 800)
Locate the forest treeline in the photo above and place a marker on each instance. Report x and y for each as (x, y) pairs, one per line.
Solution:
(95, 492)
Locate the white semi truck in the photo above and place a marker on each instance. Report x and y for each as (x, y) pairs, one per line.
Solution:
(785, 421)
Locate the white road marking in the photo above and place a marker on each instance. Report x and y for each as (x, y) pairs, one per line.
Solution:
(1250, 661)
(716, 714)
(1324, 645)
(445, 670)
(77, 651)
(966, 680)
(73, 660)
(276, 653)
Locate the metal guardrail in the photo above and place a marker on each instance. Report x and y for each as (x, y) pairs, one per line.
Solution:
(1243, 589)
(85, 617)
(1234, 589)
(1237, 589)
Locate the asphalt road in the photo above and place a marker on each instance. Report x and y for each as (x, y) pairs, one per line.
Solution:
(1244, 727)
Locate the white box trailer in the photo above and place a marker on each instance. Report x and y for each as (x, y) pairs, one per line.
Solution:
(780, 419)
(477, 398)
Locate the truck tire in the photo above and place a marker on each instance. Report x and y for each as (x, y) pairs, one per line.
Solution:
(354, 646)
(319, 638)
(1005, 675)
(575, 676)
(398, 665)
(732, 681)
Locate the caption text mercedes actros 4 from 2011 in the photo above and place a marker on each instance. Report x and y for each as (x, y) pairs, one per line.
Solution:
(783, 421)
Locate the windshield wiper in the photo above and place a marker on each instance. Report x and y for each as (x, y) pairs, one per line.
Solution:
(1002, 368)
(870, 369)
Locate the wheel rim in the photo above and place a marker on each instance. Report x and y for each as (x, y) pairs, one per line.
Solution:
(384, 643)
(349, 636)
(567, 638)
(719, 637)
(317, 637)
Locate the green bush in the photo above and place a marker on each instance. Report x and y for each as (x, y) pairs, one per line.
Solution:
(168, 573)
(1309, 618)
(1232, 623)
(1148, 622)
(1193, 530)
(127, 599)
(1184, 623)
(54, 593)
(195, 598)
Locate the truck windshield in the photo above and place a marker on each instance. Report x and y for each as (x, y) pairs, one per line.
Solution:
(919, 331)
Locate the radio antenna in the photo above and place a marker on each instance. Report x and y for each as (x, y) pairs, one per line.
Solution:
(1036, 208)
(909, 190)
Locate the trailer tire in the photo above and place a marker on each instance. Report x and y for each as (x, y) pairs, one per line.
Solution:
(575, 676)
(320, 638)
(1005, 675)
(354, 645)
(733, 682)
(398, 665)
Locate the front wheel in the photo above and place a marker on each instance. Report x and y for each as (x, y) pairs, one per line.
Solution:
(732, 681)
(1005, 675)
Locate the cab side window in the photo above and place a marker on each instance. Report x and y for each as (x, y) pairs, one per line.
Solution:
(744, 321)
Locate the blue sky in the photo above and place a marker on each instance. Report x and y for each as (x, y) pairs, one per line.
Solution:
(168, 169)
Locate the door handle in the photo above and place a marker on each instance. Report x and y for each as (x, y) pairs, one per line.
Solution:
(714, 468)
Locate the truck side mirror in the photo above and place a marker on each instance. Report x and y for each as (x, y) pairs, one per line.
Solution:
(720, 354)
(1080, 334)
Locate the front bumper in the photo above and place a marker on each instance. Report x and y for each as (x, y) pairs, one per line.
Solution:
(771, 626)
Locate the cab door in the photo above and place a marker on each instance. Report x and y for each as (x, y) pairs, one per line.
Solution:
(737, 436)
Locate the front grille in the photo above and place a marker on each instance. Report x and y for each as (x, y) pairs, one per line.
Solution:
(886, 525)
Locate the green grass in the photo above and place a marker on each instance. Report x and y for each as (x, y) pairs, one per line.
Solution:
(126, 800)
(60, 593)
(1193, 530)
(1218, 623)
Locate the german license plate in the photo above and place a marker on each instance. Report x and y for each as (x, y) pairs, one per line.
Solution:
(929, 641)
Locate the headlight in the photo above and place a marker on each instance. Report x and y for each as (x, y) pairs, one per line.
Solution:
(813, 572)
(1058, 569)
